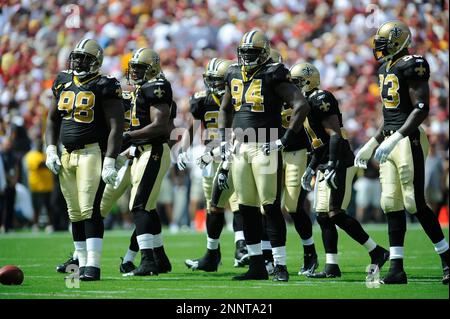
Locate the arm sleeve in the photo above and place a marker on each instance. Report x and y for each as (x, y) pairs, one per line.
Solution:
(195, 104)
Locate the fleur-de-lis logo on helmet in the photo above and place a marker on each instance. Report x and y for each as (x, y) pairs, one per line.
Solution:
(307, 71)
(396, 32)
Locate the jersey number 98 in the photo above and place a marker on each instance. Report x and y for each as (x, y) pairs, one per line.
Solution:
(79, 106)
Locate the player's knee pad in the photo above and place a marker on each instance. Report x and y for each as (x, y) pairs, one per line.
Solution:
(390, 198)
(86, 214)
(75, 217)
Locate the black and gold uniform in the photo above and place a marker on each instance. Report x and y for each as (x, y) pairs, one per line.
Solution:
(204, 106)
(152, 158)
(256, 103)
(323, 105)
(83, 131)
(257, 119)
(402, 176)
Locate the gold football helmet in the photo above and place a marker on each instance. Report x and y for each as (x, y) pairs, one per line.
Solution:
(253, 50)
(86, 58)
(305, 76)
(391, 38)
(275, 56)
(143, 66)
(214, 75)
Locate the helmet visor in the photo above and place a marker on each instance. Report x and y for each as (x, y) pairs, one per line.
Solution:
(380, 48)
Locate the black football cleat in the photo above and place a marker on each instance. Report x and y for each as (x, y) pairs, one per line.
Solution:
(445, 277)
(330, 271)
(147, 267)
(90, 274)
(161, 260)
(379, 256)
(280, 273)
(395, 276)
(241, 258)
(209, 262)
(62, 268)
(126, 267)
(310, 264)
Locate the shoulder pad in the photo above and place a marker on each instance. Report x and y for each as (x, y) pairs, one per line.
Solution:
(62, 78)
(278, 72)
(158, 90)
(415, 67)
(110, 87)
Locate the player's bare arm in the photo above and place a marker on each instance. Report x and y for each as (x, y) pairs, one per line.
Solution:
(293, 96)
(115, 121)
(226, 110)
(419, 93)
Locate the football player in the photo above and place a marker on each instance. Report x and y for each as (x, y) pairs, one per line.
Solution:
(256, 88)
(294, 165)
(402, 144)
(204, 106)
(332, 158)
(148, 135)
(113, 192)
(87, 117)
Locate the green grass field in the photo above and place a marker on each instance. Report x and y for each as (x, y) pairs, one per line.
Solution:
(38, 254)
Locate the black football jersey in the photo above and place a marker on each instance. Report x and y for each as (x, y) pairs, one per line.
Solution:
(205, 107)
(80, 105)
(301, 140)
(155, 91)
(256, 103)
(394, 88)
(323, 104)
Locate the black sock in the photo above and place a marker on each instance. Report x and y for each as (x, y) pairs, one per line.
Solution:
(303, 226)
(133, 242)
(396, 228)
(214, 224)
(143, 222)
(351, 226)
(252, 224)
(94, 227)
(78, 231)
(256, 264)
(329, 234)
(276, 226)
(430, 224)
(238, 223)
(155, 222)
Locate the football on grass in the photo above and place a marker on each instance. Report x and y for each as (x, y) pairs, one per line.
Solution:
(11, 275)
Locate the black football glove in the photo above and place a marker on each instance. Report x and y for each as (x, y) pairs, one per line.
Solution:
(331, 176)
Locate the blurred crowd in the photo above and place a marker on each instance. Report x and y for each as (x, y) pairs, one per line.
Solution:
(36, 38)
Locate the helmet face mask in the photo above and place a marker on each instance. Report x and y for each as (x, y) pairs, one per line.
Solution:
(215, 84)
(253, 50)
(86, 58)
(136, 72)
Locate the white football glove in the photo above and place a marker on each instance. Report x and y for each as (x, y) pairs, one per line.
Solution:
(182, 161)
(52, 161)
(307, 178)
(267, 148)
(365, 153)
(121, 160)
(204, 160)
(121, 173)
(387, 146)
(109, 172)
